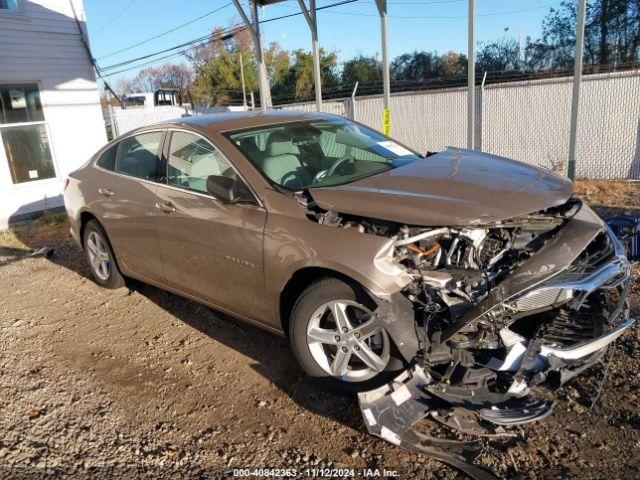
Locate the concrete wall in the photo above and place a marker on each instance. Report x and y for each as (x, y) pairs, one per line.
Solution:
(42, 44)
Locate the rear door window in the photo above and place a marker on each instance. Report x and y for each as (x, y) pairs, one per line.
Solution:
(108, 158)
(138, 156)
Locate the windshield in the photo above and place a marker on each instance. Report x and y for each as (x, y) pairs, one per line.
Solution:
(319, 153)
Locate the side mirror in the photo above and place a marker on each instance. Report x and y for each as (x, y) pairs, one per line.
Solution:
(222, 188)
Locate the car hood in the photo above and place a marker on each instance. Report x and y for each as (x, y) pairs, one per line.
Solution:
(455, 187)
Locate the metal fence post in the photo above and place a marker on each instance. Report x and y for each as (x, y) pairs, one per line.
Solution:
(312, 20)
(244, 90)
(479, 112)
(386, 82)
(353, 101)
(254, 28)
(471, 66)
(114, 127)
(577, 78)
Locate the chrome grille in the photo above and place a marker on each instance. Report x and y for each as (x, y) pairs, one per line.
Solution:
(543, 297)
(564, 327)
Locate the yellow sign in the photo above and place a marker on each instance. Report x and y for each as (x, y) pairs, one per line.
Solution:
(386, 122)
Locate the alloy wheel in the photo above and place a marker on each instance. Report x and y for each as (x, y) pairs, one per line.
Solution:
(98, 255)
(347, 341)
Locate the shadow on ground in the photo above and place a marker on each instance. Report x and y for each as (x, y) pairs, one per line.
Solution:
(270, 355)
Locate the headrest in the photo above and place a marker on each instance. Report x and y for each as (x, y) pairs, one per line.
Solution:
(279, 144)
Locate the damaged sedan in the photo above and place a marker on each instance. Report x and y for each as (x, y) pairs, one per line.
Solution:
(460, 286)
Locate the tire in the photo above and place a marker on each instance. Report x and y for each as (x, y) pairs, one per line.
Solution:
(96, 246)
(312, 323)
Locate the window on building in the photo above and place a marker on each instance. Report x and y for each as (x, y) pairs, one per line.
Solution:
(23, 132)
(20, 103)
(11, 5)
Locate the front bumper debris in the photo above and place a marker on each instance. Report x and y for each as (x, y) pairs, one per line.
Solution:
(488, 349)
(391, 411)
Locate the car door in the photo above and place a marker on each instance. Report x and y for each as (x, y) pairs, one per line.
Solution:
(210, 249)
(126, 206)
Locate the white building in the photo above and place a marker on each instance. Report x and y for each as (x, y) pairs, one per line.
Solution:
(50, 116)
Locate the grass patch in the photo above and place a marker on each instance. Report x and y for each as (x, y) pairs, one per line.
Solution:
(53, 218)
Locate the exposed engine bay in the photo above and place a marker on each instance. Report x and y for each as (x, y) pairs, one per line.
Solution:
(494, 318)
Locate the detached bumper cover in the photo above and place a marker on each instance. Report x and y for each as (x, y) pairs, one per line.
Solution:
(390, 412)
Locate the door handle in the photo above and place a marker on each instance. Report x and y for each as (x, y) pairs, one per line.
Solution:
(166, 207)
(105, 191)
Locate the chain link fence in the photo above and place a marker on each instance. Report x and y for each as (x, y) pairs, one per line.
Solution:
(524, 120)
(131, 118)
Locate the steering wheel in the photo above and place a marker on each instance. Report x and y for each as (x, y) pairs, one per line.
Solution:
(321, 175)
(332, 169)
(291, 175)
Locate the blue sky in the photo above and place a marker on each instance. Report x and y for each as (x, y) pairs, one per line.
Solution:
(348, 29)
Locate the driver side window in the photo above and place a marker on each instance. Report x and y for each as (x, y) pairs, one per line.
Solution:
(192, 159)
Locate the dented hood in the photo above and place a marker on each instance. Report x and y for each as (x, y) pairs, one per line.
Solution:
(454, 187)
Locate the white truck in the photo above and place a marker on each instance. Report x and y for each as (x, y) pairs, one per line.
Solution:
(161, 97)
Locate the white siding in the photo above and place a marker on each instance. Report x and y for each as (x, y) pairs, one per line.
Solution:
(43, 44)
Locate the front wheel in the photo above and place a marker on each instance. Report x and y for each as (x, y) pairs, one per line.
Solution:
(338, 340)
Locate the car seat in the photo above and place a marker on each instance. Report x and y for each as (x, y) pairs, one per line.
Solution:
(282, 165)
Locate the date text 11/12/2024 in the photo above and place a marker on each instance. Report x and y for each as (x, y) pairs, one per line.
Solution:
(315, 472)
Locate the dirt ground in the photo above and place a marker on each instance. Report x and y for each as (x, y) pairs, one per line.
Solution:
(108, 384)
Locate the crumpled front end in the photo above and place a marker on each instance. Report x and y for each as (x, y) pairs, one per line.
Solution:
(503, 314)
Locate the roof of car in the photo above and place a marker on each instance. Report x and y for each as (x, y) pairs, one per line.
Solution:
(230, 121)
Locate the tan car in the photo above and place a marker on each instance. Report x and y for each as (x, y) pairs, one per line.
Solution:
(368, 256)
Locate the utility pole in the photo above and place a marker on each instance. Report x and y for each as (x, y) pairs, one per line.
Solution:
(386, 82)
(244, 91)
(254, 28)
(114, 129)
(577, 79)
(312, 20)
(471, 67)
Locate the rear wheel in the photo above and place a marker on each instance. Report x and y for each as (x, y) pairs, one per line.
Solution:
(338, 340)
(100, 258)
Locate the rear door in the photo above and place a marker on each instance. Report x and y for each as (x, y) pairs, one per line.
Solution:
(127, 202)
(210, 249)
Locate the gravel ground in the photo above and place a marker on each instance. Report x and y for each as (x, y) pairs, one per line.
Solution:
(106, 384)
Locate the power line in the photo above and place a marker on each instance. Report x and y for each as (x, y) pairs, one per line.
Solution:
(436, 2)
(208, 38)
(226, 36)
(211, 12)
(176, 47)
(115, 17)
(85, 44)
(204, 40)
(446, 17)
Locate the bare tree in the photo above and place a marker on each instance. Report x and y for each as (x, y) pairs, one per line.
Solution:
(170, 75)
